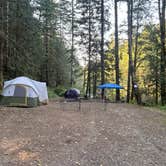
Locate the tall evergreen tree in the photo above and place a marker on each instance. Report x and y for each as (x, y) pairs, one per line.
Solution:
(130, 8)
(116, 50)
(102, 46)
(161, 11)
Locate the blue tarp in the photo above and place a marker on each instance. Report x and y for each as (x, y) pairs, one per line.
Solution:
(110, 86)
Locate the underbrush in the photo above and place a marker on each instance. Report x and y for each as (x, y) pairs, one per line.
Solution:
(56, 92)
(162, 108)
(51, 93)
(60, 90)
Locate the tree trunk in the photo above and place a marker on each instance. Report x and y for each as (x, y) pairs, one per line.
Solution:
(1, 65)
(131, 72)
(1, 51)
(135, 55)
(163, 52)
(129, 49)
(117, 52)
(84, 79)
(16, 37)
(6, 60)
(94, 80)
(88, 89)
(156, 87)
(46, 49)
(102, 47)
(72, 43)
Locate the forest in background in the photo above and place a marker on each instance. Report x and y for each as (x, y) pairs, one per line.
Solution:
(43, 39)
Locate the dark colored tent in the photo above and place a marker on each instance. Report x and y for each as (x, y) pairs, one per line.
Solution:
(72, 94)
(110, 86)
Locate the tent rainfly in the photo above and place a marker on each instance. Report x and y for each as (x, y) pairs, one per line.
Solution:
(72, 93)
(110, 86)
(23, 91)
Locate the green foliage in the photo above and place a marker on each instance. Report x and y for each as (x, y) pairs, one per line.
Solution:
(35, 26)
(160, 107)
(60, 90)
(163, 108)
(147, 67)
(51, 93)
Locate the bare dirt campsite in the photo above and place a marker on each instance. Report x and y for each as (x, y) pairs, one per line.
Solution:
(60, 135)
(64, 64)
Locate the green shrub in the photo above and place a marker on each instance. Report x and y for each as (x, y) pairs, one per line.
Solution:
(60, 90)
(163, 108)
(51, 93)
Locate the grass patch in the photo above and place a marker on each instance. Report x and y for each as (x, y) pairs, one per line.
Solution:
(162, 108)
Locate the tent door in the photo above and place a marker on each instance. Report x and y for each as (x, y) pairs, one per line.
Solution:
(20, 95)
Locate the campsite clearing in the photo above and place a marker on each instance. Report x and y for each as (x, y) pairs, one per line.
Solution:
(124, 135)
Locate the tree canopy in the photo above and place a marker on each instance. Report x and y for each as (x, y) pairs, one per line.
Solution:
(45, 40)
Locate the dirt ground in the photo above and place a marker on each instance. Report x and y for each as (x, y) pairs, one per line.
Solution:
(60, 135)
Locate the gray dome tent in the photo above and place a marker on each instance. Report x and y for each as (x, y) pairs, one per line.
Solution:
(72, 93)
(23, 91)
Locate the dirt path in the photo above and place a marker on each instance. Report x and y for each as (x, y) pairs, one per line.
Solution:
(124, 135)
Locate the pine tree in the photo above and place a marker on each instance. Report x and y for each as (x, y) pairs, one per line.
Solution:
(161, 11)
(116, 50)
